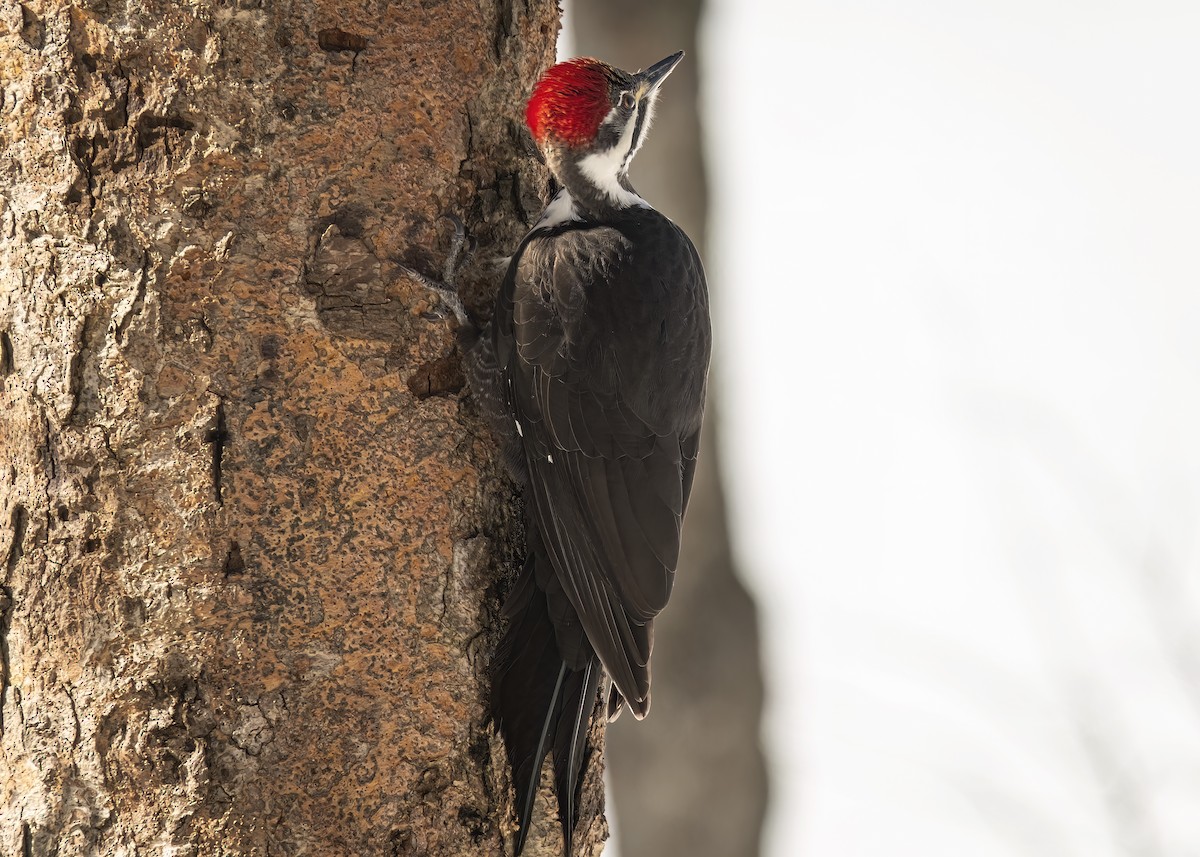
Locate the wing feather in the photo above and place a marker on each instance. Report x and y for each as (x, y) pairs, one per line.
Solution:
(608, 456)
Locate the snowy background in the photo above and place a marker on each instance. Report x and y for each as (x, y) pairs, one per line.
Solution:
(956, 248)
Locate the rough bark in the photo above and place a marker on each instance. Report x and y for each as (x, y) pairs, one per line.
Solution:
(253, 534)
(690, 779)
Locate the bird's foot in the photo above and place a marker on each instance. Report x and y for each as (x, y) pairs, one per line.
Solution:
(445, 288)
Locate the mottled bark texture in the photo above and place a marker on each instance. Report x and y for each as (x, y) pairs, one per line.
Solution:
(691, 779)
(253, 535)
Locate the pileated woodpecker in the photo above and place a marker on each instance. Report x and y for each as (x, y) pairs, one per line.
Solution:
(592, 370)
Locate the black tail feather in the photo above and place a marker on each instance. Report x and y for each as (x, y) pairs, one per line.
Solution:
(540, 704)
(570, 736)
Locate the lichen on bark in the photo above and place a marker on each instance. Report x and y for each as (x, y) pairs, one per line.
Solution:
(253, 535)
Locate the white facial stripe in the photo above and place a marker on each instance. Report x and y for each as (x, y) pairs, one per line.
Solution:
(647, 105)
(604, 169)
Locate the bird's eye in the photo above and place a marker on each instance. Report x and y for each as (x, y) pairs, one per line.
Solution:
(627, 100)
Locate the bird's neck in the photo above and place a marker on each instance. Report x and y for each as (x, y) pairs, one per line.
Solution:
(597, 184)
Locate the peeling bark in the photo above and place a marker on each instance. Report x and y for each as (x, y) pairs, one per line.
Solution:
(254, 535)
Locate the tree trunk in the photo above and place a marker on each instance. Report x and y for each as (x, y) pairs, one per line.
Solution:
(691, 779)
(254, 536)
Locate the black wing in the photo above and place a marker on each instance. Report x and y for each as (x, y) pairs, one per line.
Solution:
(605, 359)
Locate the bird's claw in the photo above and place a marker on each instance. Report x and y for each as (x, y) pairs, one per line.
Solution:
(446, 289)
(456, 258)
(447, 295)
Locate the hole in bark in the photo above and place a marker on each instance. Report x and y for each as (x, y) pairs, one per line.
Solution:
(16, 550)
(6, 355)
(333, 39)
(91, 545)
(350, 219)
(234, 564)
(477, 826)
(217, 436)
(116, 111)
(63, 513)
(151, 126)
(270, 346)
(441, 377)
(478, 750)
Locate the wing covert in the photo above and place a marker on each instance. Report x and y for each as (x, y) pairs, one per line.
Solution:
(608, 482)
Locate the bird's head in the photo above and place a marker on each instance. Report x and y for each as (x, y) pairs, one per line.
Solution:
(589, 119)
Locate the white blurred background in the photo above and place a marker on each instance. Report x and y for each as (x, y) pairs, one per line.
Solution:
(957, 249)
(959, 327)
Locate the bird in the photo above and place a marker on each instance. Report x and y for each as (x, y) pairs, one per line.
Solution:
(592, 372)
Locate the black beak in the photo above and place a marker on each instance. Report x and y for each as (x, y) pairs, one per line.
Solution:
(658, 72)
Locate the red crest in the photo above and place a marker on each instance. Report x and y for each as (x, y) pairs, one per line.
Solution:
(570, 101)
